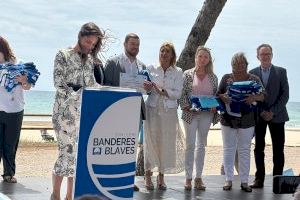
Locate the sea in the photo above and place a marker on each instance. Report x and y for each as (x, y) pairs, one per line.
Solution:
(41, 103)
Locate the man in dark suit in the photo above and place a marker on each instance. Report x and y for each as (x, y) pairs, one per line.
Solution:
(274, 113)
(125, 63)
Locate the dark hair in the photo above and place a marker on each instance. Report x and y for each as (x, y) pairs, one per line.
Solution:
(6, 50)
(131, 35)
(89, 29)
(264, 45)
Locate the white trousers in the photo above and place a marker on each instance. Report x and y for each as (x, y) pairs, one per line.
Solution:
(196, 135)
(240, 140)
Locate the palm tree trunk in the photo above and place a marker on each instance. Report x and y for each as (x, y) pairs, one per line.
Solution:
(200, 32)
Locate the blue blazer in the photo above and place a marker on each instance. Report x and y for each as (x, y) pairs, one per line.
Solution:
(277, 93)
(112, 72)
(113, 69)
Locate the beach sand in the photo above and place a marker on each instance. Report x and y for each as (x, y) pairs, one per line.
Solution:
(36, 157)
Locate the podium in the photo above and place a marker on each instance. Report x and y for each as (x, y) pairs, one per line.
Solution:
(108, 135)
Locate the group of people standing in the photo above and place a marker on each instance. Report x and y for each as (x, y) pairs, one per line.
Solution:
(170, 86)
(79, 67)
(237, 131)
(165, 144)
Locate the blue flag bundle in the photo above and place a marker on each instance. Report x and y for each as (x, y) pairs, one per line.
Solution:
(238, 91)
(9, 71)
(205, 103)
(147, 74)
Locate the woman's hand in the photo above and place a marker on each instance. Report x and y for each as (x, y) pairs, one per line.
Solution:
(148, 86)
(23, 80)
(251, 98)
(225, 98)
(213, 110)
(160, 91)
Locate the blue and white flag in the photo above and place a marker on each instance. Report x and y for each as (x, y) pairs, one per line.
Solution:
(9, 71)
(238, 91)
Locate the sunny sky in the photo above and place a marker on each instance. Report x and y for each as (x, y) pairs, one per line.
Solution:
(37, 29)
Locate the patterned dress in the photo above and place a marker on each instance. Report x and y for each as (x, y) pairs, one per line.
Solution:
(69, 69)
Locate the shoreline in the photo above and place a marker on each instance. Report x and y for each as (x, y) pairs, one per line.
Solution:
(36, 121)
(34, 118)
(292, 137)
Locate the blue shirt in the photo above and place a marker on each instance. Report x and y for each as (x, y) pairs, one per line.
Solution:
(265, 73)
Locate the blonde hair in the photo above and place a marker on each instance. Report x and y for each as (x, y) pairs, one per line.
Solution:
(209, 67)
(169, 45)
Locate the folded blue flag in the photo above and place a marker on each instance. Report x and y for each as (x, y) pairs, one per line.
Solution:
(205, 103)
(9, 71)
(147, 74)
(238, 91)
(208, 102)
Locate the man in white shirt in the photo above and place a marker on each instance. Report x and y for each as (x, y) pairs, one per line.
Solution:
(125, 63)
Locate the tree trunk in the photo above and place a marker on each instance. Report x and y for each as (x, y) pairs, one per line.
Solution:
(200, 32)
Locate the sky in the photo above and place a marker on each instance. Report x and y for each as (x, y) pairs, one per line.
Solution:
(36, 30)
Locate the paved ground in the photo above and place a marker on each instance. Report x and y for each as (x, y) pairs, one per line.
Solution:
(35, 161)
(38, 188)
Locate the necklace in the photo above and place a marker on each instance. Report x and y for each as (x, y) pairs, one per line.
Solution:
(12, 96)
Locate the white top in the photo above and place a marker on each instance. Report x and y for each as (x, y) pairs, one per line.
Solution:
(171, 81)
(13, 101)
(130, 67)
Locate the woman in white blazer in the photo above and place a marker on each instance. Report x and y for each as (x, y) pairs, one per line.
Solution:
(162, 127)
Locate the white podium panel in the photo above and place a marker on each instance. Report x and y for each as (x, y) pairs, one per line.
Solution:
(109, 126)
